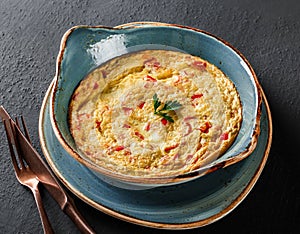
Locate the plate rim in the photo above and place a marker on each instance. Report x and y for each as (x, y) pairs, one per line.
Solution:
(154, 224)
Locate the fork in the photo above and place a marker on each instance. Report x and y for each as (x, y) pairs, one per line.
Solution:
(23, 172)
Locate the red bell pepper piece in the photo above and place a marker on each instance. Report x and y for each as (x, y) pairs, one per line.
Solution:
(126, 126)
(119, 148)
(197, 96)
(224, 136)
(141, 105)
(205, 128)
(98, 123)
(164, 121)
(139, 135)
(127, 110)
(190, 129)
(150, 78)
(96, 85)
(169, 148)
(200, 65)
(147, 128)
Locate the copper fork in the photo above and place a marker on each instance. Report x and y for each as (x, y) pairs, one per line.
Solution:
(23, 172)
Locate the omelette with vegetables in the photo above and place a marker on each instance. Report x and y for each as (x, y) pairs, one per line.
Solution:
(154, 113)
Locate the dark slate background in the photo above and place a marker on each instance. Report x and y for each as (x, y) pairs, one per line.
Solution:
(266, 32)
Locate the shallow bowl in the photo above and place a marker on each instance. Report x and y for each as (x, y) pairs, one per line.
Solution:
(84, 48)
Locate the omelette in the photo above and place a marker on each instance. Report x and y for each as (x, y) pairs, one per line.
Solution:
(154, 113)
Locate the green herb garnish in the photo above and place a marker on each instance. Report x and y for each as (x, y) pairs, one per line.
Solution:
(168, 106)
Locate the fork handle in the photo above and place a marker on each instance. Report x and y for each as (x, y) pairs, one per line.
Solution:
(44, 218)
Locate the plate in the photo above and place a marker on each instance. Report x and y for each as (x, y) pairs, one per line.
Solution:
(189, 205)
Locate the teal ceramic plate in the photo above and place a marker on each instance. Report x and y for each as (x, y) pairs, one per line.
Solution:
(189, 205)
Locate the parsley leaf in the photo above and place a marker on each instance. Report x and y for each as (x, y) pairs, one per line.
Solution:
(156, 102)
(168, 106)
(172, 105)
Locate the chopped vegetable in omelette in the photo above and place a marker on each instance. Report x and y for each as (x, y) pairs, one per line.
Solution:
(155, 112)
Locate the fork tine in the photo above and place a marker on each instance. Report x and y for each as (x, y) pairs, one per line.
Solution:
(25, 129)
(11, 149)
(17, 143)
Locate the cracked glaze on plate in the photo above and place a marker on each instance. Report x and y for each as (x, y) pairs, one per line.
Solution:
(189, 205)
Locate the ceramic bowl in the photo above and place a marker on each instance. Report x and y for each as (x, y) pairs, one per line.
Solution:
(84, 48)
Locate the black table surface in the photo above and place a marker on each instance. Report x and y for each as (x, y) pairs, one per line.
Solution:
(267, 32)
